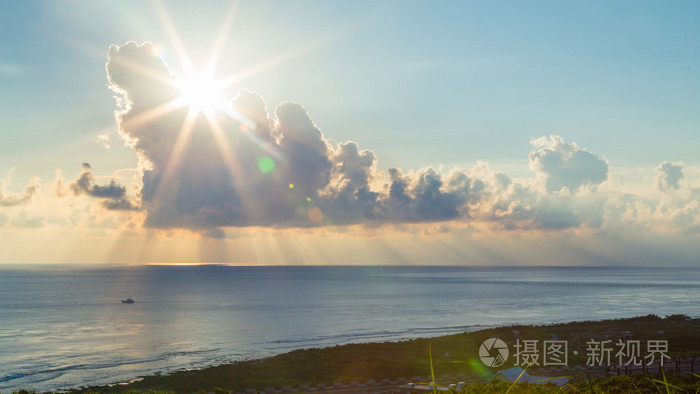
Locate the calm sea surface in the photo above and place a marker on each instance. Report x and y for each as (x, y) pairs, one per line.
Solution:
(68, 328)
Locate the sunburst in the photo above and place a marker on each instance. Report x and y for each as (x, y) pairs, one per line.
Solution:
(201, 93)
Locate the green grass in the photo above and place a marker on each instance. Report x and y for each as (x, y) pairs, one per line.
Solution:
(637, 383)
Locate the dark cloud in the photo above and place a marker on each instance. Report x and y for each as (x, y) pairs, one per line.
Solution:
(113, 195)
(566, 165)
(305, 150)
(668, 175)
(426, 196)
(351, 195)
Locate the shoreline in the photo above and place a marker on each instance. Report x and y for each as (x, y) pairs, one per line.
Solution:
(454, 355)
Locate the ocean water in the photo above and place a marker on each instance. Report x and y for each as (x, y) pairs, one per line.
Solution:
(64, 328)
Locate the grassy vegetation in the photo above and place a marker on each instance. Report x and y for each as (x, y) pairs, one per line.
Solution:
(617, 384)
(452, 354)
(637, 383)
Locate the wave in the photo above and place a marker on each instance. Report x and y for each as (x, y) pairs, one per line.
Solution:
(45, 373)
(351, 336)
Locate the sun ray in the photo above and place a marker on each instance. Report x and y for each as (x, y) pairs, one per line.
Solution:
(251, 124)
(218, 48)
(176, 154)
(171, 31)
(146, 71)
(149, 115)
(275, 62)
(239, 117)
(234, 169)
(237, 175)
(199, 89)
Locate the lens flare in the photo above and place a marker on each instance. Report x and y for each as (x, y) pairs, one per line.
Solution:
(478, 367)
(315, 215)
(266, 164)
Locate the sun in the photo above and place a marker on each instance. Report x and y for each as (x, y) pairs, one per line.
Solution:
(201, 93)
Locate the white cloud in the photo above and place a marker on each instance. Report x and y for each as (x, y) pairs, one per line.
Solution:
(284, 172)
(566, 165)
(8, 199)
(105, 141)
(668, 175)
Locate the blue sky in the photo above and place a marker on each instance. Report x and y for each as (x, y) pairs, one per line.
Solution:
(619, 79)
(419, 84)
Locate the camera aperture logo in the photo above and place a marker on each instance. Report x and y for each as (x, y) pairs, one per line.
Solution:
(493, 352)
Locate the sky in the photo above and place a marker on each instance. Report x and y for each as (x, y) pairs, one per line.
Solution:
(350, 132)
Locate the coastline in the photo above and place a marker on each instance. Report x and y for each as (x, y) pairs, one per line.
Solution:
(454, 356)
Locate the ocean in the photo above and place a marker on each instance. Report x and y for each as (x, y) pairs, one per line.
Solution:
(62, 328)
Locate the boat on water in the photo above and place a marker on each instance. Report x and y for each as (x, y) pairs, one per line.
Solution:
(128, 301)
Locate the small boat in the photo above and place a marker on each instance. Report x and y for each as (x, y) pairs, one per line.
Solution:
(128, 301)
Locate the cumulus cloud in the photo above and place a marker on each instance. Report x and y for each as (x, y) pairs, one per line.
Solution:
(668, 175)
(350, 194)
(8, 199)
(426, 196)
(253, 169)
(247, 166)
(518, 205)
(113, 196)
(566, 165)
